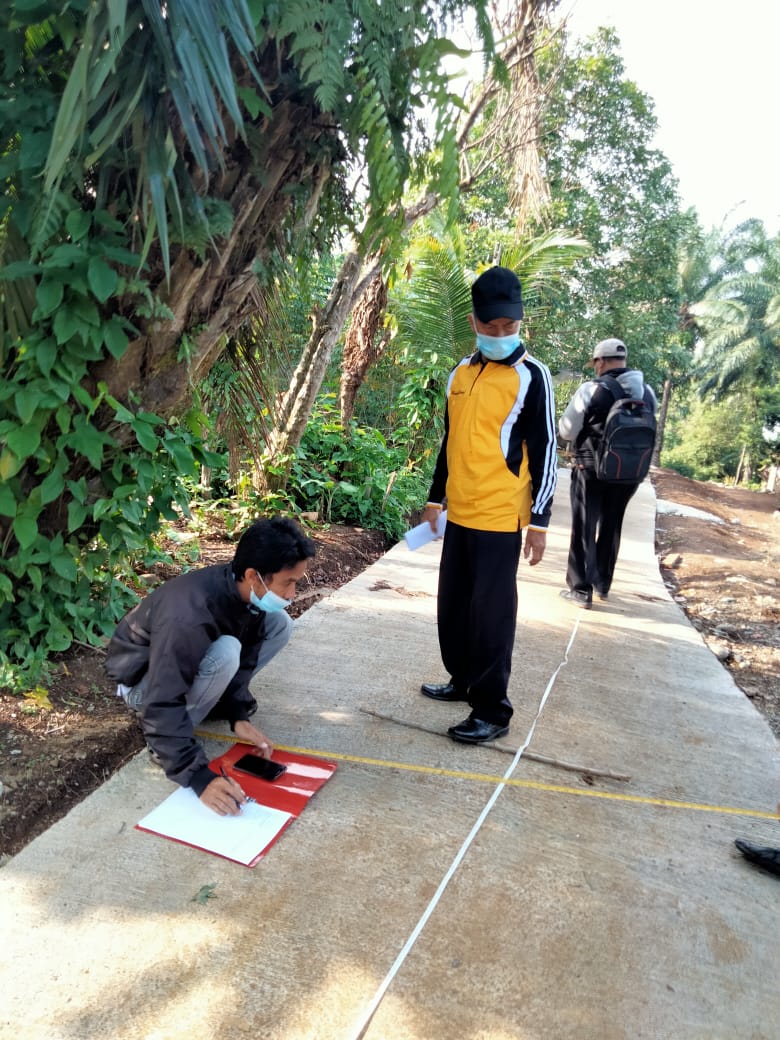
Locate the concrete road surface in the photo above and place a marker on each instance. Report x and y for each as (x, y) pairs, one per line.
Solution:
(586, 889)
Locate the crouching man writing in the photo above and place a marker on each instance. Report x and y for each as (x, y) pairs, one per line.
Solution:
(191, 647)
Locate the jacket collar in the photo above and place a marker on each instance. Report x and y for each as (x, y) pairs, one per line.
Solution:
(514, 358)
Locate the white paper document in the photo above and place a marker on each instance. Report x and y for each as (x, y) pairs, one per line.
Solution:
(184, 817)
(422, 534)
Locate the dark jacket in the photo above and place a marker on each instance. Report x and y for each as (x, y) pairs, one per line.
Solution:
(167, 634)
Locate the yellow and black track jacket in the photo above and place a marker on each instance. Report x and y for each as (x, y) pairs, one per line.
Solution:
(497, 462)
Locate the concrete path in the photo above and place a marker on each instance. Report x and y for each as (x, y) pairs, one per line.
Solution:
(420, 896)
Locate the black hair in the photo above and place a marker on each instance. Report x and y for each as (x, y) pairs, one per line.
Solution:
(272, 545)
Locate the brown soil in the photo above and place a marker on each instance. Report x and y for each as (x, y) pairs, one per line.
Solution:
(724, 576)
(727, 578)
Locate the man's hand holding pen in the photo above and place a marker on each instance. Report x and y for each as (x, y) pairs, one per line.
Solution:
(224, 796)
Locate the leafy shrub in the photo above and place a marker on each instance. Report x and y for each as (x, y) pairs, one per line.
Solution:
(353, 476)
(705, 441)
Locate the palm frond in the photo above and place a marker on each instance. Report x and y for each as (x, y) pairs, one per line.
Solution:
(772, 318)
(433, 311)
(174, 58)
(17, 287)
(538, 262)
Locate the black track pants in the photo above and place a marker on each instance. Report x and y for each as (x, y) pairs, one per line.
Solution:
(477, 614)
(597, 511)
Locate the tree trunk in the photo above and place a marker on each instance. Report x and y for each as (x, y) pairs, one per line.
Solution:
(218, 294)
(364, 344)
(298, 401)
(662, 413)
(742, 466)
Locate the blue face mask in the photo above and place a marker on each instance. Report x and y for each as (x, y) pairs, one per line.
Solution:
(270, 602)
(497, 348)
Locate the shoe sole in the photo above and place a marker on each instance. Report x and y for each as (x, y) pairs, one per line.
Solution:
(484, 740)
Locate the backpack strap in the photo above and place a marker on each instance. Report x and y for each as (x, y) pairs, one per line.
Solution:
(592, 432)
(612, 383)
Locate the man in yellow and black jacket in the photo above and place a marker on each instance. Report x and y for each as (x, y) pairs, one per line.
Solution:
(496, 470)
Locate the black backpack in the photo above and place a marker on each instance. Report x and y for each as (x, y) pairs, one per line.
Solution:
(624, 452)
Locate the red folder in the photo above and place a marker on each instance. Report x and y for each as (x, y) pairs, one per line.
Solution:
(289, 793)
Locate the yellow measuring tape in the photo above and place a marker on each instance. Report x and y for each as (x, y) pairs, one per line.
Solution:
(536, 785)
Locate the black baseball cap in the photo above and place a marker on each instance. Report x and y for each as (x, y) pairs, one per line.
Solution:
(496, 294)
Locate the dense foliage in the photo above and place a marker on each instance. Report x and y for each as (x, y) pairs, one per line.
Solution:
(180, 180)
(611, 187)
(728, 422)
(160, 163)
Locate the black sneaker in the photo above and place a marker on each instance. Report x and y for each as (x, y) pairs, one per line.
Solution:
(582, 599)
(154, 758)
(219, 713)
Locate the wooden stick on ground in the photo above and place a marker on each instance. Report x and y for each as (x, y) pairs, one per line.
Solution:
(557, 763)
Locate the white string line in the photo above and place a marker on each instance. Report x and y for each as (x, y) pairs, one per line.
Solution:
(365, 1022)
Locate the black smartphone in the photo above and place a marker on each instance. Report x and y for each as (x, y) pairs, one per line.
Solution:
(257, 766)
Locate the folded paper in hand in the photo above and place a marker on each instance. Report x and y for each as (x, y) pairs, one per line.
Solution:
(422, 534)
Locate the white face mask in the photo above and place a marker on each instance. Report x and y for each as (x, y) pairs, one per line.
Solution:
(270, 602)
(497, 348)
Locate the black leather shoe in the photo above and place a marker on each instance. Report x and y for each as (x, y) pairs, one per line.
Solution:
(582, 599)
(475, 731)
(447, 691)
(219, 714)
(763, 856)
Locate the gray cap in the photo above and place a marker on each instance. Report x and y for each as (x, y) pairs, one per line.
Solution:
(610, 348)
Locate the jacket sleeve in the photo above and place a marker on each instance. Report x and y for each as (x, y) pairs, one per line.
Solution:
(438, 489)
(175, 652)
(573, 419)
(539, 436)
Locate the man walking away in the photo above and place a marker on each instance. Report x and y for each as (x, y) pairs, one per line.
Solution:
(597, 506)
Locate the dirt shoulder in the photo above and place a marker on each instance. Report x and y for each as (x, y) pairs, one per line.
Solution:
(726, 576)
(55, 751)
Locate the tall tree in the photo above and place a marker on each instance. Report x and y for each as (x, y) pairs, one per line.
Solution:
(158, 160)
(610, 186)
(738, 316)
(729, 319)
(477, 153)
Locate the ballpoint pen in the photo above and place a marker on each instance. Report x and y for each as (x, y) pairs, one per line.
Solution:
(247, 798)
